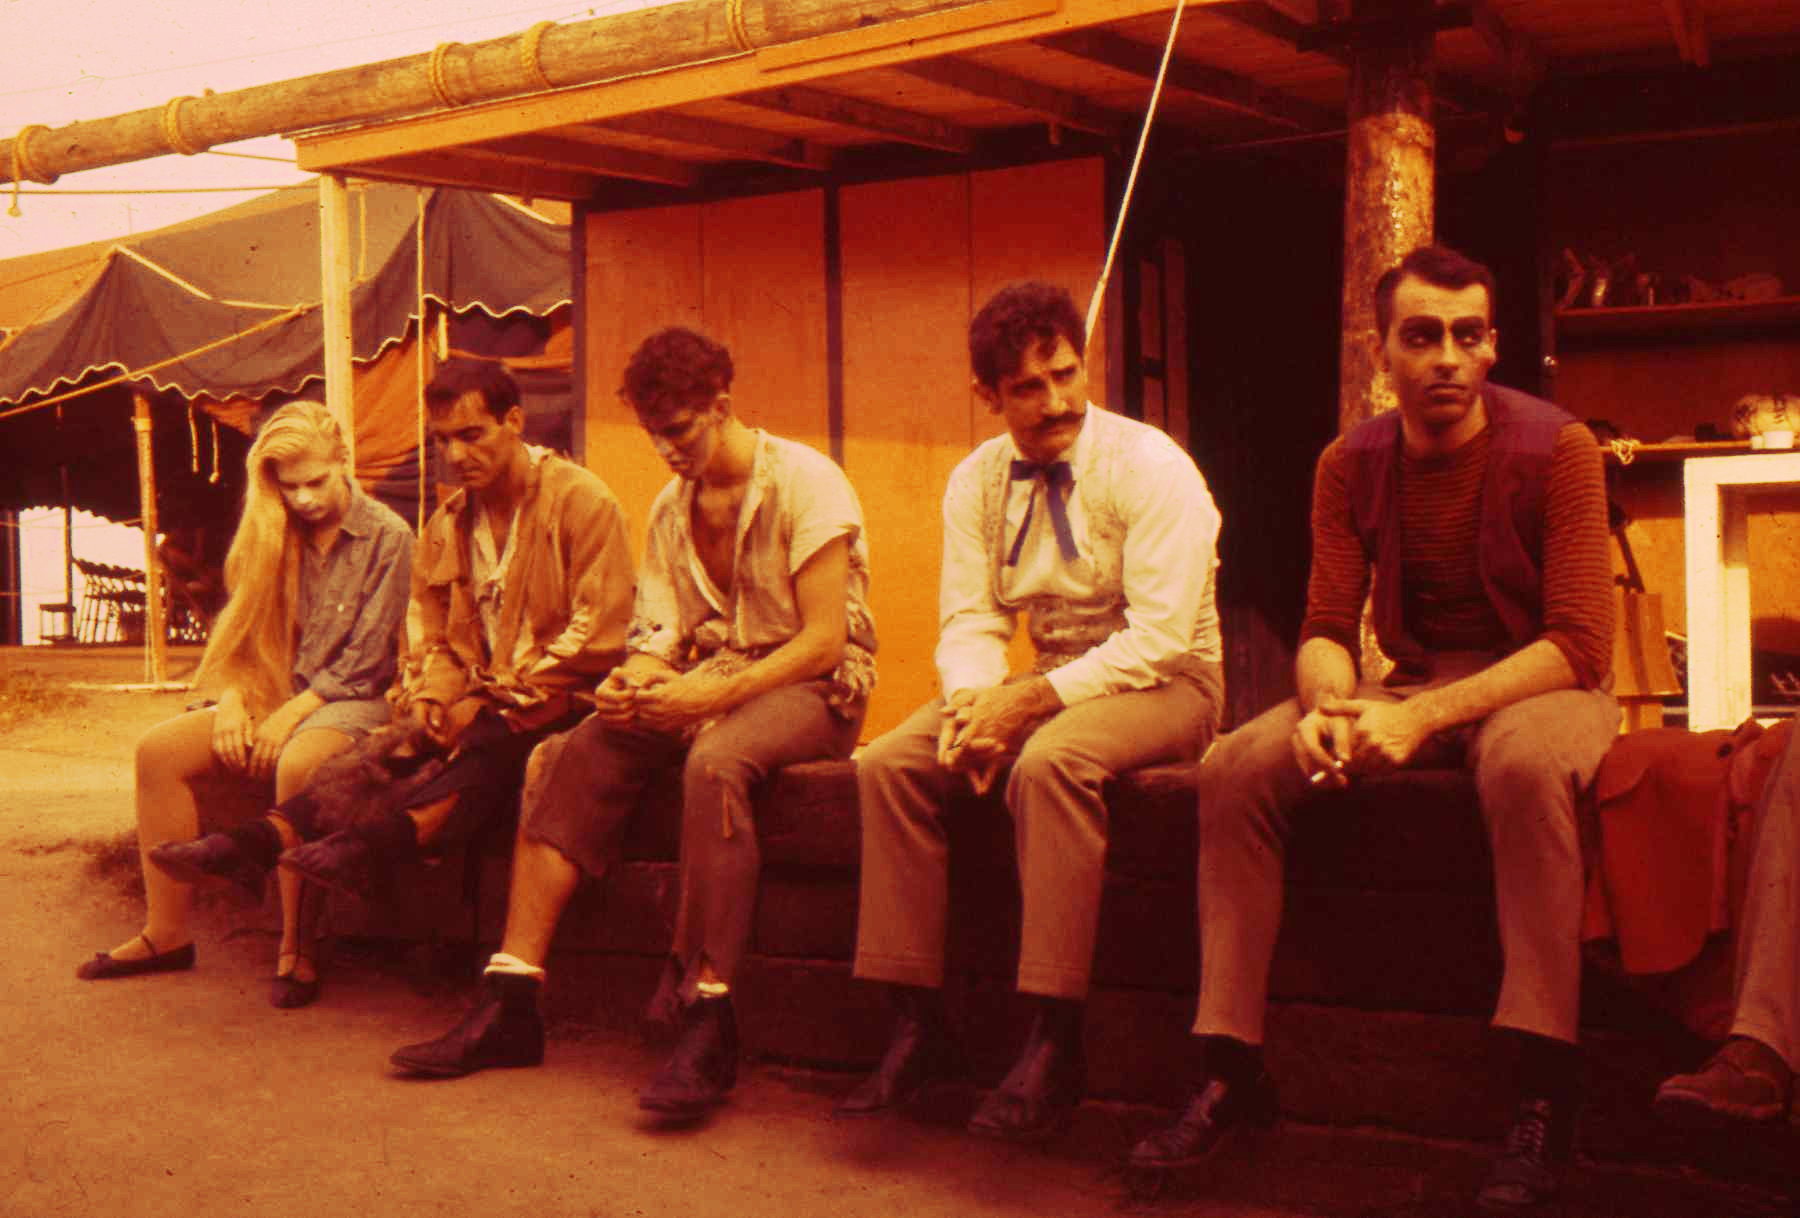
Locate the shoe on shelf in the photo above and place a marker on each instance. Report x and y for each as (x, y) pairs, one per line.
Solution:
(342, 862)
(703, 1068)
(104, 967)
(922, 1053)
(1215, 1111)
(217, 856)
(1744, 1081)
(502, 1029)
(1039, 1095)
(1528, 1171)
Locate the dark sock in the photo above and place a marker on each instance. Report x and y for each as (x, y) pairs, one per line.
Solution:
(1229, 1059)
(392, 836)
(1544, 1068)
(258, 841)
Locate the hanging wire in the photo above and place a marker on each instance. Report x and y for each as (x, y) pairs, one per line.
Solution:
(1112, 249)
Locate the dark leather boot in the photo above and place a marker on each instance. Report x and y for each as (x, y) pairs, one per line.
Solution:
(217, 856)
(922, 1053)
(704, 1066)
(1214, 1112)
(502, 1029)
(1528, 1171)
(1038, 1096)
(343, 862)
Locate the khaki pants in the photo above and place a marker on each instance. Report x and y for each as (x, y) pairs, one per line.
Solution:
(1768, 967)
(596, 779)
(1529, 760)
(1059, 825)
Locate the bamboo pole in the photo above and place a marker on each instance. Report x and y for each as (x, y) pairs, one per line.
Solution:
(455, 74)
(421, 352)
(156, 634)
(1388, 193)
(334, 283)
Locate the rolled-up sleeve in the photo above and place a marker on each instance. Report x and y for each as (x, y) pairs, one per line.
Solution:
(973, 628)
(1170, 552)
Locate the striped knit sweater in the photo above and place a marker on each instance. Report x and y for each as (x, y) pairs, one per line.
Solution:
(1440, 518)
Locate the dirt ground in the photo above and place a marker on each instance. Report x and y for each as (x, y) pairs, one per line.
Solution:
(188, 1094)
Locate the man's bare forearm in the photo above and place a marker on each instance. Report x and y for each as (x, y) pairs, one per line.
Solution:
(1323, 669)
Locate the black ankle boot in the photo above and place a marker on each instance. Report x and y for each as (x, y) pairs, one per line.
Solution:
(704, 1066)
(922, 1053)
(502, 1029)
(1041, 1091)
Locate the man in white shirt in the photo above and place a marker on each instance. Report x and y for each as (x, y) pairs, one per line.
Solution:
(1102, 532)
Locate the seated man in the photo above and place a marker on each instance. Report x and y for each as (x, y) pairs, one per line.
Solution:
(751, 648)
(521, 594)
(1101, 530)
(1497, 610)
(1751, 1077)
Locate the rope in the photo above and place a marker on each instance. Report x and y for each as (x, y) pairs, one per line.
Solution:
(292, 313)
(23, 166)
(740, 29)
(531, 59)
(171, 125)
(1625, 449)
(439, 85)
(1093, 313)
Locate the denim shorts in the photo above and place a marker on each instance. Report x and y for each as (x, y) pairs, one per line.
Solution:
(354, 717)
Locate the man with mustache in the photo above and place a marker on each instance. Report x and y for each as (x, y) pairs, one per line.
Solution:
(521, 595)
(1482, 514)
(1100, 531)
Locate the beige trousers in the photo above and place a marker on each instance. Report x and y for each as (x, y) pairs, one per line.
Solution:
(1059, 827)
(1529, 760)
(1768, 986)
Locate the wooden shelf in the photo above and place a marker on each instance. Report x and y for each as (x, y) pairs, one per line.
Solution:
(1682, 450)
(1679, 319)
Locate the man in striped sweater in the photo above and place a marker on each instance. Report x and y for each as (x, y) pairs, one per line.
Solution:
(1481, 514)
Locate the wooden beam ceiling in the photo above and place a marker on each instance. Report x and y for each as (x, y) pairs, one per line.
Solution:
(1058, 105)
(473, 171)
(1210, 85)
(872, 118)
(744, 142)
(593, 159)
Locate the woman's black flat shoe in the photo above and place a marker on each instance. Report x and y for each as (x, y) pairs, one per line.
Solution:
(288, 991)
(103, 967)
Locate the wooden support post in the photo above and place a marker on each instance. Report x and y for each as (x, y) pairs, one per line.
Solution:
(334, 282)
(156, 631)
(1388, 193)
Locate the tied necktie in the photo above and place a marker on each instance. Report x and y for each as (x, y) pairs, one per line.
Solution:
(1056, 476)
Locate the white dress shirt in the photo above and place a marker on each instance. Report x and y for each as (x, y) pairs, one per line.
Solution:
(1129, 612)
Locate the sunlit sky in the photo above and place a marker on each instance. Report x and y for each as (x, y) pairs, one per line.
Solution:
(70, 60)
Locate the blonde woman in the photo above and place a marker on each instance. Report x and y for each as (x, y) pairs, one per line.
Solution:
(299, 659)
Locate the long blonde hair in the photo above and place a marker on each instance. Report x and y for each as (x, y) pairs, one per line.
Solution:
(253, 639)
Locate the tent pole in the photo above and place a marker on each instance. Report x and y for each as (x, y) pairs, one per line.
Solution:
(156, 635)
(334, 283)
(68, 507)
(422, 350)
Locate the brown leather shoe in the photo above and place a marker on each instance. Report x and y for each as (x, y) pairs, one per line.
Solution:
(1744, 1081)
(921, 1054)
(1215, 1110)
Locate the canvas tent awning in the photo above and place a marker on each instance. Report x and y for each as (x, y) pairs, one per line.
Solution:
(169, 294)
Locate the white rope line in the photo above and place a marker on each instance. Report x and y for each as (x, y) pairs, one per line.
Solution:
(1112, 249)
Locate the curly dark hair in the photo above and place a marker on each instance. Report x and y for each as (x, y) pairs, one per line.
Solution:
(458, 378)
(1438, 265)
(1021, 317)
(674, 369)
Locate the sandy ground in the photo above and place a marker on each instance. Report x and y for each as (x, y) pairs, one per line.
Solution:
(187, 1094)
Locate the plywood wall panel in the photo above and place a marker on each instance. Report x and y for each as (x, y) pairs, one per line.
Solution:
(764, 283)
(909, 416)
(643, 272)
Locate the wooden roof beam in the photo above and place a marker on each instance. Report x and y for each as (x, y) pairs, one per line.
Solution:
(1210, 85)
(1058, 105)
(905, 126)
(494, 174)
(1687, 22)
(745, 142)
(592, 159)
